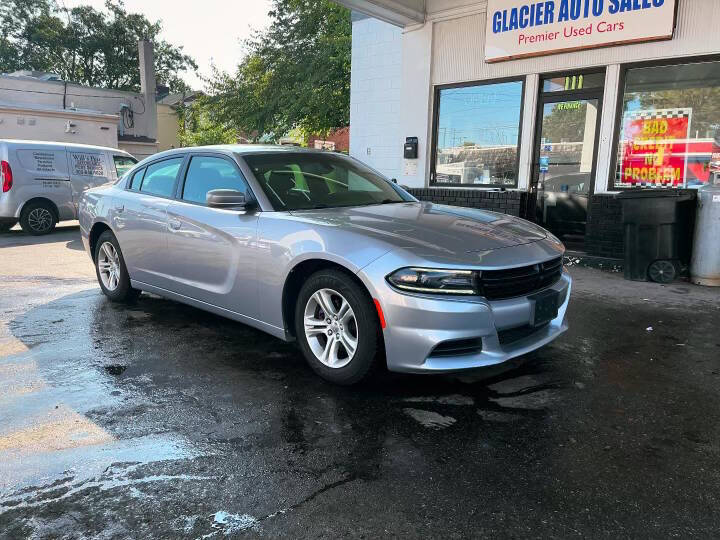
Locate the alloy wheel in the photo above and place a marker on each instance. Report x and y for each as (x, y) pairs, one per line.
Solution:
(40, 219)
(108, 263)
(331, 329)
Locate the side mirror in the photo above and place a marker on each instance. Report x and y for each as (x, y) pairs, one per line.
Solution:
(230, 199)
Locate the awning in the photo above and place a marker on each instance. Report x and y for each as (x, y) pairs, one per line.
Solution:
(397, 12)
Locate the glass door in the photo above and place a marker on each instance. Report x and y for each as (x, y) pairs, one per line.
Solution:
(564, 171)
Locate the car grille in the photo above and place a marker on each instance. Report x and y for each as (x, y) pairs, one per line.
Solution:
(500, 284)
(516, 334)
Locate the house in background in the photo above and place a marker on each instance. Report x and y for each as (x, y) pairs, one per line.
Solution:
(40, 106)
(168, 116)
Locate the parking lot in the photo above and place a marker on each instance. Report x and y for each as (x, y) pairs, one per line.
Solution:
(161, 420)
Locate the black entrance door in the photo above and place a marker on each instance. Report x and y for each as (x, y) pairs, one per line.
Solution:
(564, 160)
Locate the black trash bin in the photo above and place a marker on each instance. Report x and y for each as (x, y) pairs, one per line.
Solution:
(658, 226)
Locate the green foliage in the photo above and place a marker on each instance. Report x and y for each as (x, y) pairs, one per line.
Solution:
(704, 102)
(296, 73)
(199, 128)
(84, 45)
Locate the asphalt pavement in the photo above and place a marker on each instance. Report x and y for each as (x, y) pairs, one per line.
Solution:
(161, 421)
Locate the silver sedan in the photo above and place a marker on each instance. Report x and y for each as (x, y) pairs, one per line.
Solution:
(317, 247)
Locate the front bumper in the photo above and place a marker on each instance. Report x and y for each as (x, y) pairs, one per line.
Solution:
(417, 324)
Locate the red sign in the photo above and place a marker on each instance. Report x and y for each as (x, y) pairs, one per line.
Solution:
(655, 148)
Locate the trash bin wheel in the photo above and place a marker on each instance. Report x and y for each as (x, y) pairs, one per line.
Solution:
(663, 271)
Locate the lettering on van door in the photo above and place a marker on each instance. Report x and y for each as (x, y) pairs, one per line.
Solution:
(84, 164)
(53, 184)
(44, 161)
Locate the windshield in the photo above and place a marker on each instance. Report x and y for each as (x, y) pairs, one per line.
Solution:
(302, 181)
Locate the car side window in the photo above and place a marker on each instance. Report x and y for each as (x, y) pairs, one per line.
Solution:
(206, 173)
(137, 179)
(160, 177)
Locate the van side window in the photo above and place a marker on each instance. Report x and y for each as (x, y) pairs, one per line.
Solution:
(123, 164)
(160, 177)
(137, 179)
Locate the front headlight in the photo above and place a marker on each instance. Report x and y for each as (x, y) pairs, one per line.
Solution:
(435, 280)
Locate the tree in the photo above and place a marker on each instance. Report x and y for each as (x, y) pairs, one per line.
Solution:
(296, 73)
(566, 122)
(199, 128)
(85, 45)
(704, 102)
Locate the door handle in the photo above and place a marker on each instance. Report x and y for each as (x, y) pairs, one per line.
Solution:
(174, 224)
(120, 209)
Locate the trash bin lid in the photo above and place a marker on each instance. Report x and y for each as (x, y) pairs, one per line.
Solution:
(656, 193)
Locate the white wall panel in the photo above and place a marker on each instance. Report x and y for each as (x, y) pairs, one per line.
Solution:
(375, 95)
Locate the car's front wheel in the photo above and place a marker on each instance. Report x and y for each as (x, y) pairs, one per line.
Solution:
(337, 327)
(112, 274)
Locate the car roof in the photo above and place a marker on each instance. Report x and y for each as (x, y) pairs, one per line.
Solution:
(243, 149)
(54, 144)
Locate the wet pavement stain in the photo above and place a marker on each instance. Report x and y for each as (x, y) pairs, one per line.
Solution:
(115, 369)
(216, 429)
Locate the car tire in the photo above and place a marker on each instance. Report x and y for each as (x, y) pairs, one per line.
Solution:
(341, 366)
(5, 226)
(110, 269)
(38, 218)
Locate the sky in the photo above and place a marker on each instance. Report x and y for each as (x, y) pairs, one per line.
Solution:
(211, 31)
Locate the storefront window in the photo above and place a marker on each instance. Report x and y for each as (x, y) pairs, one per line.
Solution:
(670, 126)
(477, 135)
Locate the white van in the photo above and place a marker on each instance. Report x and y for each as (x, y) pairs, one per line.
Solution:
(41, 182)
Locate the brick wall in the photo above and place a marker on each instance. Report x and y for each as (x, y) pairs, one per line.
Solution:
(341, 138)
(507, 202)
(604, 232)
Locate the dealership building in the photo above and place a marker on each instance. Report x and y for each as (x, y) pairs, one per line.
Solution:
(543, 109)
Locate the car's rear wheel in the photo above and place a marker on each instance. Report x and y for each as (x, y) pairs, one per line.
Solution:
(337, 327)
(38, 218)
(112, 274)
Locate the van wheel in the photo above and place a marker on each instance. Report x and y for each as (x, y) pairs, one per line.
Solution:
(112, 274)
(5, 226)
(337, 327)
(38, 218)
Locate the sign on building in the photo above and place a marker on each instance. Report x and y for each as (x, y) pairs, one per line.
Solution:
(654, 148)
(521, 28)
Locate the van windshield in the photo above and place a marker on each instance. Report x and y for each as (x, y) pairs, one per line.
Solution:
(303, 181)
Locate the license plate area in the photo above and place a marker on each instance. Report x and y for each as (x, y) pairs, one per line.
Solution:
(545, 307)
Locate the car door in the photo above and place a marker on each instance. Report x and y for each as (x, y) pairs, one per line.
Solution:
(211, 251)
(42, 171)
(140, 219)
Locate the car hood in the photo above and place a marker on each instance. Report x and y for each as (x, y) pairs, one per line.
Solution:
(430, 228)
